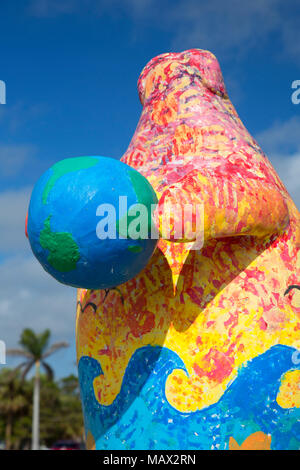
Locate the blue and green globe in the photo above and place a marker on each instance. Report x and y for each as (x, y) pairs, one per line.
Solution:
(90, 224)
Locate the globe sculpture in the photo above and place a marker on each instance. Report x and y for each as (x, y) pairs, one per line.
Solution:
(70, 239)
(200, 349)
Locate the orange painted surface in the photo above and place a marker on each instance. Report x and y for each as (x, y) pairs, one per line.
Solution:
(256, 441)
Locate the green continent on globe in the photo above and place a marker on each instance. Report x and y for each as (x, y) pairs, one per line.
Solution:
(145, 195)
(135, 248)
(67, 166)
(64, 252)
(143, 189)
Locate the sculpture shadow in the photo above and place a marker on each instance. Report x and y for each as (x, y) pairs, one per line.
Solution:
(224, 260)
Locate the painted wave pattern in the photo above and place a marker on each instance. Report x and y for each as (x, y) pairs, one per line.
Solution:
(141, 417)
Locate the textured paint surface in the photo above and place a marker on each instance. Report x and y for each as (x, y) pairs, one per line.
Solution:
(289, 392)
(64, 167)
(256, 441)
(142, 417)
(194, 352)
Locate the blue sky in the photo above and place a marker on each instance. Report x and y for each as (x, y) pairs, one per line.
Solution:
(71, 67)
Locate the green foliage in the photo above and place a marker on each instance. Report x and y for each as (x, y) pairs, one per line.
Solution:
(15, 401)
(33, 343)
(60, 410)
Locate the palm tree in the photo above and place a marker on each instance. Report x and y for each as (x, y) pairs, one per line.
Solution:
(35, 350)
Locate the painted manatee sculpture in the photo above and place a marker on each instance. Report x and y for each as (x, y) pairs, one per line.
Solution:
(199, 350)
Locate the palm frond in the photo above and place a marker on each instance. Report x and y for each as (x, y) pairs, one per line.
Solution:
(27, 369)
(55, 347)
(19, 352)
(16, 370)
(28, 340)
(12, 374)
(44, 339)
(49, 370)
(34, 343)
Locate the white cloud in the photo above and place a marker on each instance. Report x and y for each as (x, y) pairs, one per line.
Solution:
(288, 168)
(28, 295)
(281, 143)
(13, 158)
(13, 209)
(44, 8)
(228, 28)
(282, 137)
(30, 298)
(52, 8)
(18, 115)
(231, 26)
(290, 29)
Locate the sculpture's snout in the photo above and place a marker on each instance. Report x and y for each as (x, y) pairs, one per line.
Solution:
(196, 63)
